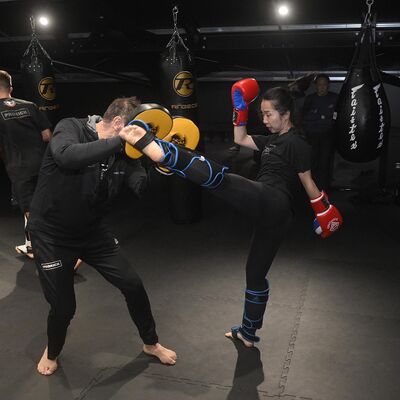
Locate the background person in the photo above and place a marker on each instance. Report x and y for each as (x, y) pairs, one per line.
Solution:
(24, 133)
(317, 114)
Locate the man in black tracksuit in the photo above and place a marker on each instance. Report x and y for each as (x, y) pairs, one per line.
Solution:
(82, 170)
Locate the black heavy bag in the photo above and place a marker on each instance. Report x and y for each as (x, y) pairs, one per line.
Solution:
(178, 81)
(362, 112)
(38, 79)
(178, 89)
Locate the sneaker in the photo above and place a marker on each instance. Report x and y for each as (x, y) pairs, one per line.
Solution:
(25, 250)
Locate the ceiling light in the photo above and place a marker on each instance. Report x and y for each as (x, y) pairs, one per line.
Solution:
(283, 10)
(43, 20)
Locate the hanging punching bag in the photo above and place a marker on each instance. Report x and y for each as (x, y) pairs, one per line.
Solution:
(38, 78)
(362, 112)
(178, 89)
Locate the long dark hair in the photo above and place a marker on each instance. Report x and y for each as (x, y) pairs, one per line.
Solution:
(283, 102)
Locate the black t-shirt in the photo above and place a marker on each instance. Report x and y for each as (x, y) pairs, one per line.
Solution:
(21, 126)
(282, 158)
(80, 175)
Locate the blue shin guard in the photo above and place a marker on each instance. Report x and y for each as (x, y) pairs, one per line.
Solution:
(254, 308)
(191, 165)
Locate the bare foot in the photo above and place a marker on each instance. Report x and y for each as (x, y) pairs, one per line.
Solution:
(165, 355)
(133, 133)
(78, 264)
(240, 337)
(25, 250)
(46, 366)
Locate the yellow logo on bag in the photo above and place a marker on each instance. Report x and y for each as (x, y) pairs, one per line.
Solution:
(184, 83)
(47, 88)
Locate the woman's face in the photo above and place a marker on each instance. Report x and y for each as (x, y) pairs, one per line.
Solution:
(275, 122)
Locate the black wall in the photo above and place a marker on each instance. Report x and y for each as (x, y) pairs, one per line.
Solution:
(80, 99)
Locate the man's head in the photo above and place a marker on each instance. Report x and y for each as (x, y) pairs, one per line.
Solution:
(322, 84)
(120, 112)
(5, 83)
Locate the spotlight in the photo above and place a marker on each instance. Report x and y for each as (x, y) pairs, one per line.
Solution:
(43, 20)
(283, 10)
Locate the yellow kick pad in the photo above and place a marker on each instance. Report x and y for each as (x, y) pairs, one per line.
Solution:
(184, 132)
(158, 118)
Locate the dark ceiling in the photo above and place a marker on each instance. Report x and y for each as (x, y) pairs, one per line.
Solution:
(227, 38)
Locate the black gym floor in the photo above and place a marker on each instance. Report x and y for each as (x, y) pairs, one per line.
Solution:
(331, 332)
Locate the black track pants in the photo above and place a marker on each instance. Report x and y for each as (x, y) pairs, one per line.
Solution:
(55, 263)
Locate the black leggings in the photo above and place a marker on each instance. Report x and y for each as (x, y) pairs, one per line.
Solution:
(55, 264)
(269, 209)
(271, 214)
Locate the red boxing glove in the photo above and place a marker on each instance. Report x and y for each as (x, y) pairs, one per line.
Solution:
(327, 216)
(243, 93)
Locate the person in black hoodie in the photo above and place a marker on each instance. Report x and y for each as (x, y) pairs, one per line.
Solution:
(83, 169)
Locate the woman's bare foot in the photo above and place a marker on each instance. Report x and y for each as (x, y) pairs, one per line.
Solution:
(133, 133)
(46, 366)
(165, 355)
(240, 337)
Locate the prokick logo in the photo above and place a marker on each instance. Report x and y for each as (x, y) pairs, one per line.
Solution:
(51, 265)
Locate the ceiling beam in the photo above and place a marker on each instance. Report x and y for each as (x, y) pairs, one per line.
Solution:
(277, 28)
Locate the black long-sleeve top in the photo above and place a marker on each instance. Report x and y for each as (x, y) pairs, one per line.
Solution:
(79, 176)
(21, 126)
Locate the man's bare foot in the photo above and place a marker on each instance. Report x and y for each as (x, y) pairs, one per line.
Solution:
(165, 355)
(46, 366)
(78, 264)
(240, 337)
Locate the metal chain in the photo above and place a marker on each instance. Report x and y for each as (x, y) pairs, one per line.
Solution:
(176, 38)
(175, 16)
(33, 25)
(369, 3)
(34, 44)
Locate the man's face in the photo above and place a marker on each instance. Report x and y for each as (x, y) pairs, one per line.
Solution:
(322, 86)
